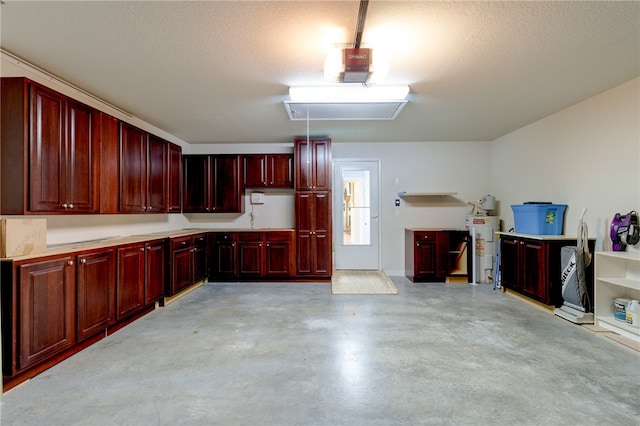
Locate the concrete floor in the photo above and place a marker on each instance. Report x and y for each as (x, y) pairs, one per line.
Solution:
(293, 354)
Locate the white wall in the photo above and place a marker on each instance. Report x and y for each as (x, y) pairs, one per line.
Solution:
(461, 167)
(586, 156)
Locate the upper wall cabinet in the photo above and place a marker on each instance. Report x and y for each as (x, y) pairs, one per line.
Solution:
(313, 164)
(211, 184)
(50, 151)
(143, 171)
(174, 185)
(267, 171)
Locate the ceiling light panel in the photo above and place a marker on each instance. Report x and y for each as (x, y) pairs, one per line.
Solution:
(315, 111)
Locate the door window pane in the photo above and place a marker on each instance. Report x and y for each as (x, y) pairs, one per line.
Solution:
(356, 207)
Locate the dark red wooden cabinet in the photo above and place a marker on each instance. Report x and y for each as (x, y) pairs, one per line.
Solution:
(312, 160)
(212, 184)
(130, 280)
(313, 227)
(531, 266)
(155, 271)
(432, 255)
(267, 171)
(50, 151)
(47, 309)
(250, 253)
(312, 164)
(95, 292)
(188, 262)
(174, 185)
(143, 171)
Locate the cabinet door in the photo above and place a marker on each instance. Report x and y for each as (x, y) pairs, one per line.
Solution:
(225, 261)
(130, 281)
(312, 163)
(47, 155)
(509, 262)
(533, 270)
(82, 190)
(278, 254)
(280, 170)
(196, 180)
(313, 225)
(425, 253)
(199, 258)
(322, 233)
(226, 194)
(254, 171)
(47, 309)
(250, 254)
(174, 186)
(155, 277)
(181, 264)
(109, 167)
(96, 292)
(133, 161)
(156, 175)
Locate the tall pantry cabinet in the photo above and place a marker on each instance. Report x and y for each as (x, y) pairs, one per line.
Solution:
(313, 206)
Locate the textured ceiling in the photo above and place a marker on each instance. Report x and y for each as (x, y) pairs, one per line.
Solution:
(219, 71)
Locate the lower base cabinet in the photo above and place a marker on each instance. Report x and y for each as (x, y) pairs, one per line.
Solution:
(46, 311)
(531, 265)
(130, 280)
(188, 262)
(432, 255)
(95, 292)
(54, 306)
(252, 255)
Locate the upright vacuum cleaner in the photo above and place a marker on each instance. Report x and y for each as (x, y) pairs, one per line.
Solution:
(574, 260)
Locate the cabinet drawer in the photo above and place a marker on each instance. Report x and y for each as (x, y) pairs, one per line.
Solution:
(199, 241)
(279, 236)
(250, 236)
(180, 242)
(424, 235)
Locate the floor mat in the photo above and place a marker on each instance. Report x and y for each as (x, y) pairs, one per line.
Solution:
(361, 282)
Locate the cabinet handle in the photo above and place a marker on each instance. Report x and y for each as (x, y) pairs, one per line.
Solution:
(70, 206)
(70, 263)
(142, 249)
(260, 245)
(233, 244)
(64, 205)
(184, 243)
(83, 261)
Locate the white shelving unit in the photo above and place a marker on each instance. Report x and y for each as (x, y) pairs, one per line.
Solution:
(617, 274)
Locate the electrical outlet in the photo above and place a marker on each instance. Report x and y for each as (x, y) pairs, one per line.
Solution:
(257, 198)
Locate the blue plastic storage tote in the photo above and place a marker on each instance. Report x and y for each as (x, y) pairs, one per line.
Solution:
(539, 219)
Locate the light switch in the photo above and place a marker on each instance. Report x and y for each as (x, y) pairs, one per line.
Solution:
(397, 202)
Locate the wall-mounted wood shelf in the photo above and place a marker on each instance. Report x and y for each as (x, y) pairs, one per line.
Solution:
(426, 194)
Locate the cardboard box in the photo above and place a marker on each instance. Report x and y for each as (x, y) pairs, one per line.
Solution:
(22, 236)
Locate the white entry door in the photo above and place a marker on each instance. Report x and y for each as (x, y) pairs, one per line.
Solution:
(356, 223)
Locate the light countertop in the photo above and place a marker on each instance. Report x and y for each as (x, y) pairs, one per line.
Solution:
(67, 248)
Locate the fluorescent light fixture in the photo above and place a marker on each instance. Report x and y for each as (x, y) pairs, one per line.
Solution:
(348, 93)
(346, 102)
